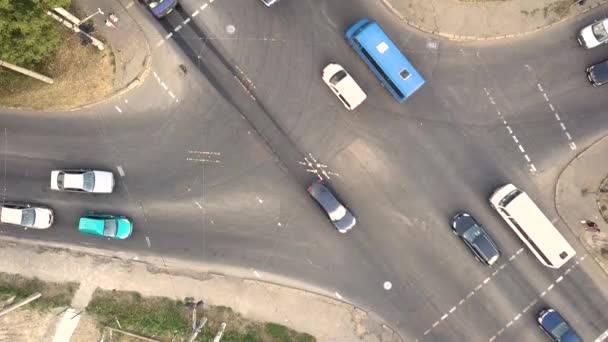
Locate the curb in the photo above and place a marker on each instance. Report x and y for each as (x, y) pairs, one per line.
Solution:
(210, 269)
(581, 239)
(465, 38)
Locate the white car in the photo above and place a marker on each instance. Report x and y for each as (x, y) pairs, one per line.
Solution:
(82, 181)
(594, 35)
(344, 86)
(26, 215)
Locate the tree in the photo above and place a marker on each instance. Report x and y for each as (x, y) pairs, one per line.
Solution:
(27, 34)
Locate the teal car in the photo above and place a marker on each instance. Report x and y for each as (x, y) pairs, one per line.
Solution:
(112, 226)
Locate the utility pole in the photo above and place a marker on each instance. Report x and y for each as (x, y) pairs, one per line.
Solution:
(220, 333)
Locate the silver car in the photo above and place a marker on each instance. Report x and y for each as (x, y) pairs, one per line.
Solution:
(342, 219)
(91, 181)
(26, 215)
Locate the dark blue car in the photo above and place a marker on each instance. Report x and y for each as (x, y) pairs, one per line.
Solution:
(556, 326)
(160, 8)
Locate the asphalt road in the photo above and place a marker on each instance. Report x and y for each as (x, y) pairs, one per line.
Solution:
(213, 171)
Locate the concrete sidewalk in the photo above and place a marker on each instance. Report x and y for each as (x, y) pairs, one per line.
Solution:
(577, 196)
(485, 19)
(126, 40)
(323, 317)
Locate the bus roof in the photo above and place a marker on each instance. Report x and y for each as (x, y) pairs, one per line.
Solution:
(386, 54)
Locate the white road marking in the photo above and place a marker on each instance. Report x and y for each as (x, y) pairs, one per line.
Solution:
(559, 279)
(435, 324)
(444, 317)
(164, 85)
(160, 42)
(186, 21)
(198, 204)
(258, 275)
(550, 287)
(171, 94)
(602, 337)
(177, 28)
(387, 284)
(500, 331)
(452, 310)
(492, 338)
(542, 294)
(512, 257)
(148, 241)
(509, 324)
(485, 281)
(118, 109)
(427, 332)
(195, 13)
(121, 172)
(470, 294)
(169, 35)
(461, 302)
(204, 6)
(338, 295)
(478, 287)
(517, 317)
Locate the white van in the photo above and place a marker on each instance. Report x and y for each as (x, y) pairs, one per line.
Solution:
(532, 226)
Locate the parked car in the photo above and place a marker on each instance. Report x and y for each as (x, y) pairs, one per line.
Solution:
(338, 214)
(594, 35)
(598, 73)
(343, 85)
(26, 215)
(160, 8)
(92, 181)
(269, 3)
(476, 238)
(112, 226)
(554, 325)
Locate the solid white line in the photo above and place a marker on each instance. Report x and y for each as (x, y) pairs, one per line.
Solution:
(120, 171)
(148, 241)
(195, 13)
(118, 109)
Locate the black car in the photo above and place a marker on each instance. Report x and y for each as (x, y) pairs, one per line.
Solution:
(476, 238)
(598, 73)
(341, 217)
(554, 325)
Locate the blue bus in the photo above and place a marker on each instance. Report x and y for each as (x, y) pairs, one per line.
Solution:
(376, 49)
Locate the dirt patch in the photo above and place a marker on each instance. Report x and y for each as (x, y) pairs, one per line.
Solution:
(25, 325)
(169, 320)
(88, 330)
(82, 75)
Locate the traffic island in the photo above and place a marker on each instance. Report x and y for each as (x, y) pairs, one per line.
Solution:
(581, 199)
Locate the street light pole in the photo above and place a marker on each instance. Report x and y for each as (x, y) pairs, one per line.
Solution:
(89, 17)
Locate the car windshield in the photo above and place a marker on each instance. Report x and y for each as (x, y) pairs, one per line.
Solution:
(109, 227)
(28, 216)
(599, 31)
(472, 233)
(560, 329)
(337, 77)
(88, 181)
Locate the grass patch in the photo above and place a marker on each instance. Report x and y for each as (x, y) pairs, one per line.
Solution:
(81, 74)
(53, 294)
(165, 319)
